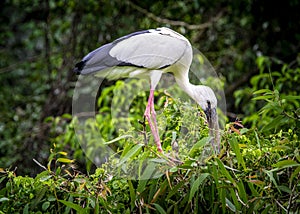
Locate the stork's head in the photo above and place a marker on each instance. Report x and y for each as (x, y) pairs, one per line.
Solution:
(205, 97)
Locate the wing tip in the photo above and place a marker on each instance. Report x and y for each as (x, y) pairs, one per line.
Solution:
(79, 67)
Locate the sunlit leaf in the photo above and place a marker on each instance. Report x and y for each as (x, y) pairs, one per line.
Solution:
(64, 160)
(261, 91)
(63, 153)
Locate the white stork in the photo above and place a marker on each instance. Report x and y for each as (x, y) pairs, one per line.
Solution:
(149, 54)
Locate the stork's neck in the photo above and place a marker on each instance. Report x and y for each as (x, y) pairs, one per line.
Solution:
(182, 79)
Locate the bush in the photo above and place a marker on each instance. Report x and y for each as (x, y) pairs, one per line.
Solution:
(256, 171)
(251, 174)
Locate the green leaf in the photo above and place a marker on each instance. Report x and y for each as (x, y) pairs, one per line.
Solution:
(200, 58)
(4, 199)
(270, 174)
(64, 160)
(224, 171)
(199, 145)
(196, 184)
(132, 194)
(141, 186)
(295, 173)
(131, 153)
(149, 171)
(236, 149)
(291, 97)
(263, 97)
(117, 139)
(222, 198)
(42, 175)
(73, 206)
(39, 196)
(26, 209)
(159, 209)
(63, 153)
(242, 191)
(45, 205)
(97, 207)
(175, 189)
(158, 160)
(67, 116)
(230, 205)
(234, 199)
(285, 164)
(275, 123)
(285, 189)
(260, 61)
(253, 189)
(267, 209)
(281, 148)
(262, 91)
(45, 178)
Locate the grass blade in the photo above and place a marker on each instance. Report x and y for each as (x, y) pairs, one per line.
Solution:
(73, 206)
(236, 149)
(196, 184)
(131, 153)
(159, 209)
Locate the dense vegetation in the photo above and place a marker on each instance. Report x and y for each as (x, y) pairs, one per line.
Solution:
(43, 168)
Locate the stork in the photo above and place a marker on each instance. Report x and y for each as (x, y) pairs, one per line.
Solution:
(149, 54)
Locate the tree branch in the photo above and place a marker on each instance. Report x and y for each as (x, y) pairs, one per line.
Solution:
(176, 23)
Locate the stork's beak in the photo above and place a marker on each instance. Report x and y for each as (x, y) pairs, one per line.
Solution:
(213, 125)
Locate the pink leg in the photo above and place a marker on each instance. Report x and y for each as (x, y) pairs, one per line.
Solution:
(150, 111)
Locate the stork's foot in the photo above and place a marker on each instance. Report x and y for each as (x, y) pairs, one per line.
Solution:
(172, 160)
(154, 131)
(159, 148)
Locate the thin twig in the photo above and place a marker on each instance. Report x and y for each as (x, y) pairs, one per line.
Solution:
(290, 199)
(12, 67)
(176, 23)
(285, 210)
(143, 123)
(39, 164)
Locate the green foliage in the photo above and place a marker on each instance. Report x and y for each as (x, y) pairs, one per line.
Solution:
(252, 173)
(245, 177)
(275, 100)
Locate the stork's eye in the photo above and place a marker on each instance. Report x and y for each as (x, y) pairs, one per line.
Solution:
(208, 104)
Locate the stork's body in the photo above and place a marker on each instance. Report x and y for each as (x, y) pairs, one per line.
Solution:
(149, 54)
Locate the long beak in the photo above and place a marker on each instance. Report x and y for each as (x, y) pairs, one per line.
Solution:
(213, 125)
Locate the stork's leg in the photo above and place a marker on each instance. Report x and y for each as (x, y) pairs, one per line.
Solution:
(154, 120)
(152, 123)
(153, 114)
